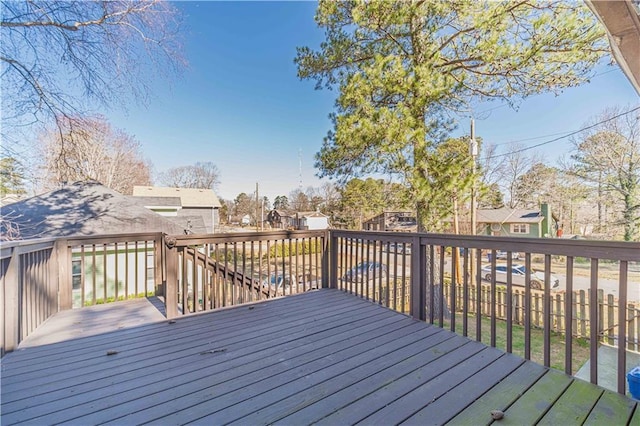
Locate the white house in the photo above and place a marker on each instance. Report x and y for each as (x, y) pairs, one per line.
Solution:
(196, 205)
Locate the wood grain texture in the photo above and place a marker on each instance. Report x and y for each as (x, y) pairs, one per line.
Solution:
(322, 357)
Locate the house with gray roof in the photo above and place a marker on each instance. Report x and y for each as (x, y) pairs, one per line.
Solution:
(198, 207)
(81, 209)
(507, 222)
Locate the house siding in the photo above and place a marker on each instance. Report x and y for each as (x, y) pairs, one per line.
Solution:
(505, 230)
(210, 216)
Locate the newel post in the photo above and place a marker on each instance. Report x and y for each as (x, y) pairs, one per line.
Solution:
(12, 303)
(333, 262)
(158, 269)
(418, 282)
(65, 284)
(171, 278)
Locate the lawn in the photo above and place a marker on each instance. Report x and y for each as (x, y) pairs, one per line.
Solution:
(580, 347)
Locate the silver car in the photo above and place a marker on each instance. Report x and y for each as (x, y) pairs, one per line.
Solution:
(518, 275)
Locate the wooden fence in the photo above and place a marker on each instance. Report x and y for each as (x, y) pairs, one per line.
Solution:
(607, 311)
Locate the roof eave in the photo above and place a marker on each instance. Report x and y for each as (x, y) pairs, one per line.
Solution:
(622, 24)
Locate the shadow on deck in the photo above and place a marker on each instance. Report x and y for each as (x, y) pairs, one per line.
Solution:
(320, 357)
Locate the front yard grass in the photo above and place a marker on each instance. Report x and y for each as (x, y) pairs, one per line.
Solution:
(580, 347)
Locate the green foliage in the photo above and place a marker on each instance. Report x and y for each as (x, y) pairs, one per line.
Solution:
(490, 197)
(292, 248)
(111, 299)
(222, 254)
(11, 177)
(281, 202)
(402, 67)
(363, 199)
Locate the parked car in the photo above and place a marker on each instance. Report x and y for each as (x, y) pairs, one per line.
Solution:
(518, 275)
(359, 272)
(502, 255)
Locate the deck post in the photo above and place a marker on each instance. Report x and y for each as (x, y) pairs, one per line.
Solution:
(418, 298)
(12, 303)
(65, 291)
(158, 275)
(171, 279)
(332, 276)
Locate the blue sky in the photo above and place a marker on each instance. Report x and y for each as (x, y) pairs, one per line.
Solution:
(241, 106)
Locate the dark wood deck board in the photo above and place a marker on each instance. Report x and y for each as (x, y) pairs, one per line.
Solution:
(196, 331)
(389, 392)
(535, 402)
(456, 399)
(574, 405)
(501, 396)
(330, 400)
(230, 379)
(322, 356)
(407, 405)
(611, 409)
(188, 361)
(635, 420)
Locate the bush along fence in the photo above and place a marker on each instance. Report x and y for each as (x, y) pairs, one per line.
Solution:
(607, 311)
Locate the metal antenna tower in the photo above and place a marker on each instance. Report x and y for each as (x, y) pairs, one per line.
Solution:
(300, 161)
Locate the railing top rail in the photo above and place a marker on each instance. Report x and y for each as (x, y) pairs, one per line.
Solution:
(187, 240)
(112, 238)
(7, 248)
(612, 250)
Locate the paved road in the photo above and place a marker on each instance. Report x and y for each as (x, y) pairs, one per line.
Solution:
(608, 285)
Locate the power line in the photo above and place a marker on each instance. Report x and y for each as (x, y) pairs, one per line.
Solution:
(529, 139)
(565, 136)
(506, 105)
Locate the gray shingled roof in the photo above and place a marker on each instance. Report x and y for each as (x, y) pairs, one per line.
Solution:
(506, 215)
(82, 209)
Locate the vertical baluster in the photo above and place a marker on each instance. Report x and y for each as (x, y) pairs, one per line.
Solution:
(465, 290)
(441, 289)
(527, 306)
(455, 252)
(568, 317)
(593, 321)
(622, 326)
(547, 310)
(509, 303)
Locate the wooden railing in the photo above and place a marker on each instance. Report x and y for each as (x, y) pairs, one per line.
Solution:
(42, 277)
(213, 271)
(423, 274)
(444, 279)
(30, 287)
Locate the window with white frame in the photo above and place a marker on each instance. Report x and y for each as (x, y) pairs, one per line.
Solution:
(519, 228)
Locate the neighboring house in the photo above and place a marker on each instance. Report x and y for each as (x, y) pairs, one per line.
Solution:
(392, 221)
(194, 203)
(281, 219)
(83, 209)
(87, 209)
(171, 208)
(311, 220)
(507, 222)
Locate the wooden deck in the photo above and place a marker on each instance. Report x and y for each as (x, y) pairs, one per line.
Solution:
(321, 357)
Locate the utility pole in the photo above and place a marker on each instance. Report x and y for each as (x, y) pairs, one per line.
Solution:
(473, 150)
(257, 206)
